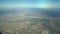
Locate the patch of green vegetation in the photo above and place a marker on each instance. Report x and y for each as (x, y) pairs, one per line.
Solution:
(54, 32)
(34, 21)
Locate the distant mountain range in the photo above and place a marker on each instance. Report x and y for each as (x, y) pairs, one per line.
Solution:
(53, 12)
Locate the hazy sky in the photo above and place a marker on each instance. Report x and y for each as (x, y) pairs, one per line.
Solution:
(30, 3)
